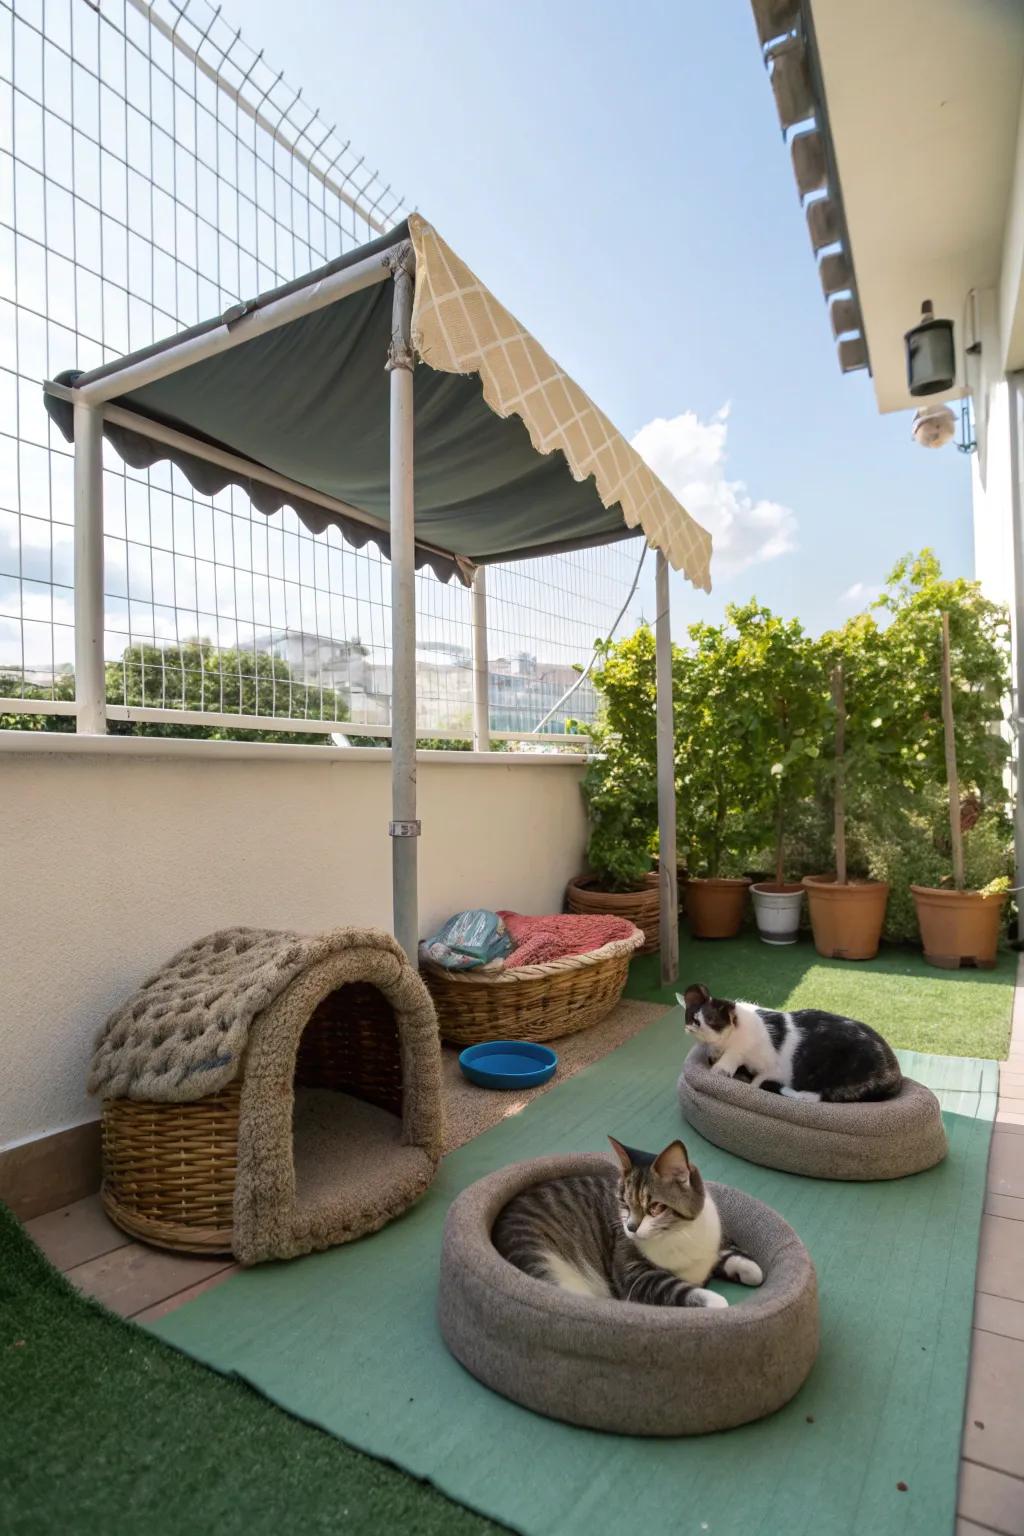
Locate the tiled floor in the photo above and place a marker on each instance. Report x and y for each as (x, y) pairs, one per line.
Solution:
(992, 1463)
(129, 1278)
(143, 1283)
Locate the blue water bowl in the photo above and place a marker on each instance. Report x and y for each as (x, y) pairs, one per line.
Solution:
(508, 1064)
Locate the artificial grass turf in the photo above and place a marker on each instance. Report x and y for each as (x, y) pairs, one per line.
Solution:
(108, 1432)
(916, 1006)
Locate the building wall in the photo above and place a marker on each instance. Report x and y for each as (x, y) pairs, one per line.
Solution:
(992, 466)
(991, 497)
(116, 853)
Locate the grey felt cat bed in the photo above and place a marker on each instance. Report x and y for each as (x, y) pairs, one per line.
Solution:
(613, 1365)
(270, 1093)
(825, 1141)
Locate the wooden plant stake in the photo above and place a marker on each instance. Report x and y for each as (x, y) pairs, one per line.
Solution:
(952, 779)
(839, 700)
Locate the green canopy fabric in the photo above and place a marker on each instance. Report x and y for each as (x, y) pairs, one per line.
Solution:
(310, 401)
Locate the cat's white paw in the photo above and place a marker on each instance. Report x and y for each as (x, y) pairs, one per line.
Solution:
(699, 1297)
(737, 1267)
(801, 1093)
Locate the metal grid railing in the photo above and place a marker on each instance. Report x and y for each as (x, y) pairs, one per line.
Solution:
(153, 170)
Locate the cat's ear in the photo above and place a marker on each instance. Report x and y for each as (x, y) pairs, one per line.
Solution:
(621, 1154)
(673, 1163)
(695, 996)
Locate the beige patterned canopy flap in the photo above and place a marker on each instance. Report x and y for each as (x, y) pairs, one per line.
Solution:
(458, 326)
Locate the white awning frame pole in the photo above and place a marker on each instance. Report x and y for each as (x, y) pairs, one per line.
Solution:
(1015, 406)
(667, 881)
(481, 665)
(405, 827)
(90, 677)
(195, 349)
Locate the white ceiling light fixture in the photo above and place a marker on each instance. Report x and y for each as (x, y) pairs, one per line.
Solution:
(933, 426)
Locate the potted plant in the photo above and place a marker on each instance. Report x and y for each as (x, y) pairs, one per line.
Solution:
(620, 792)
(786, 704)
(847, 914)
(720, 791)
(893, 760)
(618, 853)
(909, 847)
(958, 926)
(715, 901)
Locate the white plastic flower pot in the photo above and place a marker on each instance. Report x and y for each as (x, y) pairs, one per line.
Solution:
(777, 909)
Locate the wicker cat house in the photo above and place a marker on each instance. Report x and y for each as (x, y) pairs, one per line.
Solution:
(268, 1094)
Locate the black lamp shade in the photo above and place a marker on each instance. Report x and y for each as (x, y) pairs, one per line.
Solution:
(931, 356)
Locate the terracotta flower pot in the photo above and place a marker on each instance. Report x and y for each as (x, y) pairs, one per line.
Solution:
(846, 920)
(714, 908)
(958, 927)
(777, 909)
(641, 906)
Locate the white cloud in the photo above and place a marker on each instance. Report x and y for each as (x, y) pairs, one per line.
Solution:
(689, 456)
(860, 594)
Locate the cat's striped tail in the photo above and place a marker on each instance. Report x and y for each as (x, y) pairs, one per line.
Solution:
(655, 1287)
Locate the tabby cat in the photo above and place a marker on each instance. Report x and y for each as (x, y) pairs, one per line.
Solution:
(807, 1054)
(650, 1234)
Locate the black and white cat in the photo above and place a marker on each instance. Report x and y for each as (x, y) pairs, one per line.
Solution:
(806, 1054)
(650, 1233)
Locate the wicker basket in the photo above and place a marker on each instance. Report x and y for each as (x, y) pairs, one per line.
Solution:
(641, 907)
(169, 1169)
(531, 1002)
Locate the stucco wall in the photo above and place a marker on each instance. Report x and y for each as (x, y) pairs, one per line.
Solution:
(992, 497)
(111, 859)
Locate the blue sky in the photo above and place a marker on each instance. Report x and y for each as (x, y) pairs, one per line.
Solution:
(616, 174)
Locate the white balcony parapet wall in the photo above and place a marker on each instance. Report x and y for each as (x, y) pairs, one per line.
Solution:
(118, 851)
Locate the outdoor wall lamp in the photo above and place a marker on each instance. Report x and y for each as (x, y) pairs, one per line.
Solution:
(931, 356)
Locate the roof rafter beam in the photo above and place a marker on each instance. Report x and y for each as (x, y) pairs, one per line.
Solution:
(240, 324)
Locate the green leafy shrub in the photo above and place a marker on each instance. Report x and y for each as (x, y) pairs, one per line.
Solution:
(724, 793)
(620, 785)
(783, 698)
(755, 731)
(915, 598)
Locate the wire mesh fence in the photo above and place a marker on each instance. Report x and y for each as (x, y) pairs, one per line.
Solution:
(154, 169)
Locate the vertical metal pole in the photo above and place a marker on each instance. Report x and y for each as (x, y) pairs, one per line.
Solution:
(481, 665)
(956, 836)
(404, 827)
(669, 889)
(90, 683)
(1015, 391)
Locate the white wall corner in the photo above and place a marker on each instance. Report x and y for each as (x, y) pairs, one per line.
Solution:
(1011, 278)
(992, 495)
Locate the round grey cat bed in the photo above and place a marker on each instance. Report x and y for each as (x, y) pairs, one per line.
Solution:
(825, 1141)
(613, 1365)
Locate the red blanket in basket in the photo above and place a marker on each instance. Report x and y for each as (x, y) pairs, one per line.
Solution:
(537, 940)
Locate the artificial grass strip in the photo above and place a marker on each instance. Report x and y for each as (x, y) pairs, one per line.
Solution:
(916, 1006)
(108, 1432)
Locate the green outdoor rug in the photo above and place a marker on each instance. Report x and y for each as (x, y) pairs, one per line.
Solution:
(348, 1339)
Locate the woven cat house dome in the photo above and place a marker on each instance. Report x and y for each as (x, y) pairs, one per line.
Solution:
(269, 1094)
